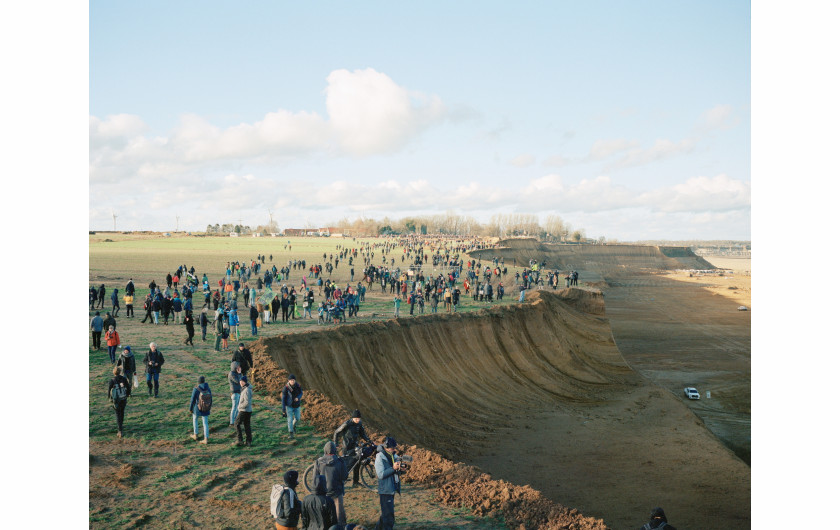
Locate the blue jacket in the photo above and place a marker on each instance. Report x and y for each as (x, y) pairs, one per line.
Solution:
(194, 399)
(233, 318)
(388, 478)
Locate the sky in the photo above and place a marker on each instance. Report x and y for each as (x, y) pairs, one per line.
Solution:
(630, 120)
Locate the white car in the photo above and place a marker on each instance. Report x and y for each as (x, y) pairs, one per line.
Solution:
(691, 393)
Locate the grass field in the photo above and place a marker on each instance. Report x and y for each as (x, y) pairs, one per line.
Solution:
(156, 476)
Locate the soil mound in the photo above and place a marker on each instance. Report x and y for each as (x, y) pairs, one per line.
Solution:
(603, 259)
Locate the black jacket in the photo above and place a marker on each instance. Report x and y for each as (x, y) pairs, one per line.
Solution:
(334, 470)
(243, 358)
(117, 380)
(128, 364)
(349, 432)
(318, 511)
(291, 396)
(153, 357)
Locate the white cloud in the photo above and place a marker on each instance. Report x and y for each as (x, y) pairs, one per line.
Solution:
(718, 117)
(717, 193)
(602, 149)
(370, 114)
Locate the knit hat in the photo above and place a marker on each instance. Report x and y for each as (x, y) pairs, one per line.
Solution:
(357, 413)
(390, 442)
(200, 379)
(292, 376)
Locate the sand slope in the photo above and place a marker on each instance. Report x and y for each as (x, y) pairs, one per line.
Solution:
(536, 394)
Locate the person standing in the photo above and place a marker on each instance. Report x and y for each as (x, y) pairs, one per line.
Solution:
(96, 324)
(127, 364)
(318, 511)
(101, 296)
(243, 417)
(244, 358)
(397, 302)
(200, 403)
(112, 339)
(219, 329)
(292, 394)
(202, 321)
(254, 314)
(154, 361)
(129, 305)
(118, 391)
(658, 521)
(188, 323)
(234, 376)
(335, 472)
(387, 467)
(285, 506)
(350, 432)
(177, 307)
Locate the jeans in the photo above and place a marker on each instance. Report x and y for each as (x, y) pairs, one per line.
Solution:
(155, 316)
(149, 378)
(234, 409)
(204, 421)
(112, 352)
(293, 417)
(253, 327)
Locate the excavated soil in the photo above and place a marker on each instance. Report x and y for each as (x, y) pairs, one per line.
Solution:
(524, 410)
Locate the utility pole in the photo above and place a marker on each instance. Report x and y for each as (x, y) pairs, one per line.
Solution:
(177, 221)
(115, 220)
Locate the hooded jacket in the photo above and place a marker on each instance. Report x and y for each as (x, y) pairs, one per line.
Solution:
(389, 481)
(245, 396)
(333, 469)
(233, 378)
(194, 399)
(350, 432)
(244, 358)
(318, 511)
(127, 362)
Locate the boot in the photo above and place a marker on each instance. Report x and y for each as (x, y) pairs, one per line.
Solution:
(194, 437)
(119, 434)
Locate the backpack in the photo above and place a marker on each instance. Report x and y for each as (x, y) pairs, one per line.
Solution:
(119, 393)
(205, 400)
(276, 494)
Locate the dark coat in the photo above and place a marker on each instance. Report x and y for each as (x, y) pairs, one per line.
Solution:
(117, 380)
(194, 399)
(334, 470)
(349, 433)
(155, 357)
(244, 358)
(128, 364)
(318, 511)
(291, 396)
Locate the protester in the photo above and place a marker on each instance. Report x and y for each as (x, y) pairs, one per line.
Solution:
(318, 511)
(188, 323)
(154, 361)
(200, 403)
(234, 376)
(243, 417)
(119, 389)
(285, 506)
(244, 358)
(112, 339)
(292, 393)
(335, 472)
(96, 324)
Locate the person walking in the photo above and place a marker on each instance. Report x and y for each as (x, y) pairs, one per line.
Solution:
(234, 376)
(96, 324)
(200, 403)
(292, 394)
(387, 467)
(254, 314)
(101, 296)
(318, 511)
(112, 339)
(243, 417)
(658, 521)
(119, 389)
(285, 506)
(188, 323)
(153, 361)
(115, 302)
(126, 363)
(335, 472)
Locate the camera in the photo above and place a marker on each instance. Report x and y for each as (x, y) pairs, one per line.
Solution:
(405, 461)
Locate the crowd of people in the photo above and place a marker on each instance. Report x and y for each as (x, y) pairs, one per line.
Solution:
(254, 283)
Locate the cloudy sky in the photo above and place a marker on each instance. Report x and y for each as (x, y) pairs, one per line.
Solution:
(630, 120)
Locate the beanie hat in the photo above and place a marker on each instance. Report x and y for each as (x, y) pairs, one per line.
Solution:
(390, 442)
(292, 376)
(357, 413)
(200, 379)
(290, 478)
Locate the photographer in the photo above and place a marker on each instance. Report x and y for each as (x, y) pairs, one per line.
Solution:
(388, 469)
